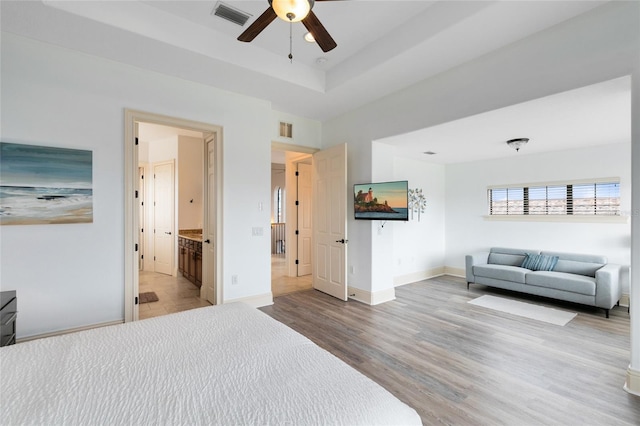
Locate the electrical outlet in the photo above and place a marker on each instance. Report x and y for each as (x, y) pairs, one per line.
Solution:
(257, 231)
(234, 280)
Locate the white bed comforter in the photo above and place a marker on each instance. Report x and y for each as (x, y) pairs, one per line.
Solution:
(223, 365)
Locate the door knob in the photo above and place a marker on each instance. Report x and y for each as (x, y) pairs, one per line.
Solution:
(207, 241)
(343, 241)
(168, 233)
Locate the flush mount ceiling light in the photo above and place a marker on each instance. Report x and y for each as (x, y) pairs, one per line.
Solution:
(517, 143)
(308, 37)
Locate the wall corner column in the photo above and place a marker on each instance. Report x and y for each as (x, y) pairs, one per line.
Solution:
(632, 383)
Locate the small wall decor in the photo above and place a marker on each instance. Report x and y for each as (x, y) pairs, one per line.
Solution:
(417, 202)
(45, 185)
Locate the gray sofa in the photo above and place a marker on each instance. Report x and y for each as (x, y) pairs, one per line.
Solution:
(579, 278)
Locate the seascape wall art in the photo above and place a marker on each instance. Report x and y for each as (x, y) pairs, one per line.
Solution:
(45, 185)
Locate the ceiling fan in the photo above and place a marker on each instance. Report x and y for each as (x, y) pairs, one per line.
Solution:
(292, 11)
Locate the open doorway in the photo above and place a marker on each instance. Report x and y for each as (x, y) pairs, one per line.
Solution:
(291, 219)
(173, 172)
(171, 217)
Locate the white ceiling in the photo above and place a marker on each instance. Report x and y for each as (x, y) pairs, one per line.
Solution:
(595, 115)
(383, 46)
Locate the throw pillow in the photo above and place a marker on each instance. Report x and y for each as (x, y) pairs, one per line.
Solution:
(539, 262)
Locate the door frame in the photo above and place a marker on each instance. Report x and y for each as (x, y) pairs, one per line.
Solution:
(131, 273)
(142, 171)
(302, 152)
(308, 162)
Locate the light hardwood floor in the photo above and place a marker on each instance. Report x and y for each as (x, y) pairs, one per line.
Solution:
(460, 364)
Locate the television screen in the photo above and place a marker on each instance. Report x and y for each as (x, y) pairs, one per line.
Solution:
(381, 201)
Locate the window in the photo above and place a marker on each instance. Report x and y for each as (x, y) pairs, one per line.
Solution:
(598, 198)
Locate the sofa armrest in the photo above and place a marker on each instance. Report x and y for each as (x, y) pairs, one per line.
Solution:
(480, 258)
(608, 289)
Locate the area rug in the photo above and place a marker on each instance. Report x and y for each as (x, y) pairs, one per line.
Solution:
(527, 310)
(147, 297)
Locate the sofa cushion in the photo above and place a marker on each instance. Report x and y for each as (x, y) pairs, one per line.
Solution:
(539, 262)
(562, 281)
(501, 272)
(574, 263)
(508, 256)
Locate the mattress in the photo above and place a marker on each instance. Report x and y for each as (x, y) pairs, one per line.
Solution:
(220, 365)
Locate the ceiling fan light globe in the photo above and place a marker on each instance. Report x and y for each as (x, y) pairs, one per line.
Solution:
(291, 10)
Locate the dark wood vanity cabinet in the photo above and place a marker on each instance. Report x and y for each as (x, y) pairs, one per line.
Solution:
(197, 260)
(190, 260)
(8, 315)
(182, 256)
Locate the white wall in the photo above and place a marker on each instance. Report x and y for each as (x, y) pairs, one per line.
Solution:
(419, 245)
(466, 204)
(73, 275)
(594, 47)
(306, 132)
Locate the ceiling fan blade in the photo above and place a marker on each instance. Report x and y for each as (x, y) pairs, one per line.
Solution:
(319, 32)
(258, 25)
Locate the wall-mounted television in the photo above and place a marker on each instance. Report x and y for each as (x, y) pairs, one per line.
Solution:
(381, 200)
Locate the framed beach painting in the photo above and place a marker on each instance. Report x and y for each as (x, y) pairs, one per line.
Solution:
(45, 185)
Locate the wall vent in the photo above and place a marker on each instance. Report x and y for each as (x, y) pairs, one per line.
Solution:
(286, 130)
(230, 13)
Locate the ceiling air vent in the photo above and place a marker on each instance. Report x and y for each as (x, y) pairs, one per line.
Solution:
(231, 13)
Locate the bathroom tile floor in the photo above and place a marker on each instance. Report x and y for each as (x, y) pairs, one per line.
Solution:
(175, 294)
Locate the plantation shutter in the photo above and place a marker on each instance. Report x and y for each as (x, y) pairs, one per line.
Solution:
(600, 198)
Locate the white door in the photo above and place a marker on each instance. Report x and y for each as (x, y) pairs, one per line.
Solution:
(305, 229)
(330, 221)
(210, 219)
(163, 217)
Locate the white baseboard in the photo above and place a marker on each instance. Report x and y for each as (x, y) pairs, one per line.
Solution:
(383, 296)
(632, 384)
(370, 298)
(624, 300)
(418, 276)
(257, 301)
(67, 331)
(455, 272)
(429, 273)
